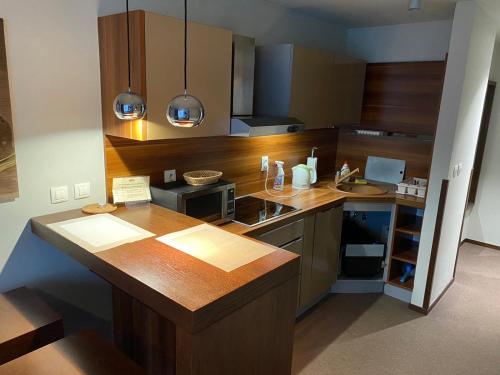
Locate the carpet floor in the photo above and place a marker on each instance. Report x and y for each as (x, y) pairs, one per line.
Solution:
(376, 334)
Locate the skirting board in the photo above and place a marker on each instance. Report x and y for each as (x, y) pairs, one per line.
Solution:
(479, 243)
(427, 311)
(358, 286)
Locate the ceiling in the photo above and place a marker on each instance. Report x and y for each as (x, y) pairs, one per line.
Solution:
(367, 13)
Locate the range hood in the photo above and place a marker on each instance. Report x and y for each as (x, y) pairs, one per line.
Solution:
(243, 121)
(249, 126)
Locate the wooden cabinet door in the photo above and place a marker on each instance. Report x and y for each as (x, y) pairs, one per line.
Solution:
(306, 298)
(348, 88)
(327, 232)
(312, 87)
(209, 74)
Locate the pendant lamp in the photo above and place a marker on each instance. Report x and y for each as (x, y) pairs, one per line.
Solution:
(185, 111)
(129, 105)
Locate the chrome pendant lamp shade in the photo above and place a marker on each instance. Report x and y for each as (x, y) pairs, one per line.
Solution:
(129, 105)
(185, 111)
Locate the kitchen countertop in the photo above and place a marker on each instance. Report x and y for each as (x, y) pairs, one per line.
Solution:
(318, 198)
(183, 289)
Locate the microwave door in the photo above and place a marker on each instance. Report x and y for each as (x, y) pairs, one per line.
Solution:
(207, 207)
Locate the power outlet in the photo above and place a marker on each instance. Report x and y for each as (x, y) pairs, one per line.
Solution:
(169, 175)
(264, 164)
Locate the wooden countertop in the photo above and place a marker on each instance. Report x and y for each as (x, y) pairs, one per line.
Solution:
(187, 291)
(183, 289)
(318, 198)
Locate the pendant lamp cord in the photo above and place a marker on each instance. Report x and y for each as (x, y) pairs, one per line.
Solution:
(128, 46)
(185, 45)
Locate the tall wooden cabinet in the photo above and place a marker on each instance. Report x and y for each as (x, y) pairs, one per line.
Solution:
(317, 87)
(157, 73)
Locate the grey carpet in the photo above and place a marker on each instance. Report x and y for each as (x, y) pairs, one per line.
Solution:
(376, 334)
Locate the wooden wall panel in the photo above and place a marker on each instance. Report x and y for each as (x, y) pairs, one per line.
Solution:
(238, 158)
(355, 149)
(403, 97)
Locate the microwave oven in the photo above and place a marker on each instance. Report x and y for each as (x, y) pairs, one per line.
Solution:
(212, 203)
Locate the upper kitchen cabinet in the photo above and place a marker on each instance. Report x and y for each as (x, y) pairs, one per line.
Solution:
(348, 88)
(403, 97)
(157, 59)
(317, 87)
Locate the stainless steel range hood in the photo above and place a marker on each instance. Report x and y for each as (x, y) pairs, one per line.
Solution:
(243, 123)
(259, 126)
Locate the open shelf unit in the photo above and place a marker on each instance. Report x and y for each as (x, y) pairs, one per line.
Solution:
(406, 240)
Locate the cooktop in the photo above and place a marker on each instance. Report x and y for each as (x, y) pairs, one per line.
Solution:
(252, 211)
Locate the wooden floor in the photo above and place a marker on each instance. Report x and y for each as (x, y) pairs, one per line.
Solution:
(376, 334)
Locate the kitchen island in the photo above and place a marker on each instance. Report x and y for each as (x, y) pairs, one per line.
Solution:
(175, 314)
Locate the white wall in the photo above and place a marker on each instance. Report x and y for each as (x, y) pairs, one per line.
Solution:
(53, 63)
(269, 23)
(469, 61)
(481, 221)
(426, 41)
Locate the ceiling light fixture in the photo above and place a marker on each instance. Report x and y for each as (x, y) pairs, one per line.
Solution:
(185, 111)
(414, 5)
(129, 105)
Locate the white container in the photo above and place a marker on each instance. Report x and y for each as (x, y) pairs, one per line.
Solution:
(421, 191)
(411, 190)
(402, 188)
(420, 181)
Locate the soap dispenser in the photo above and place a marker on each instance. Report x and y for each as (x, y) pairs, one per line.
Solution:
(312, 162)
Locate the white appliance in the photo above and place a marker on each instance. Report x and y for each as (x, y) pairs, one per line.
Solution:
(303, 176)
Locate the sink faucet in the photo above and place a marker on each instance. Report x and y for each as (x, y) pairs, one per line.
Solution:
(340, 179)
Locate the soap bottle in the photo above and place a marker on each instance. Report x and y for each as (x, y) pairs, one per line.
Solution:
(279, 180)
(345, 170)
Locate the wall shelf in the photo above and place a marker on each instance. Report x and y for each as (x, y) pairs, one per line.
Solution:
(407, 256)
(405, 244)
(412, 229)
(408, 285)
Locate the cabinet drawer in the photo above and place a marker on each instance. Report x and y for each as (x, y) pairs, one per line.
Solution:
(283, 235)
(296, 247)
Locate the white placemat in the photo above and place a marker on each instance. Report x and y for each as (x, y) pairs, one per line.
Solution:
(217, 247)
(100, 232)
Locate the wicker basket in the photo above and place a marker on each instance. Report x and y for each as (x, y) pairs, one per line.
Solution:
(198, 178)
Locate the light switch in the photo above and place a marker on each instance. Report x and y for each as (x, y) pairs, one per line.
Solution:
(58, 194)
(82, 190)
(459, 169)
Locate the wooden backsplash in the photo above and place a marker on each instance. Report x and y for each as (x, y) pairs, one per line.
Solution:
(355, 149)
(238, 158)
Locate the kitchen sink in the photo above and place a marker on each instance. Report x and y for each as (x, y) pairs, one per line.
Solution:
(359, 189)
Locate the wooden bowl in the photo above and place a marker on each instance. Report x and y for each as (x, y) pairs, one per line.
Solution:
(199, 178)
